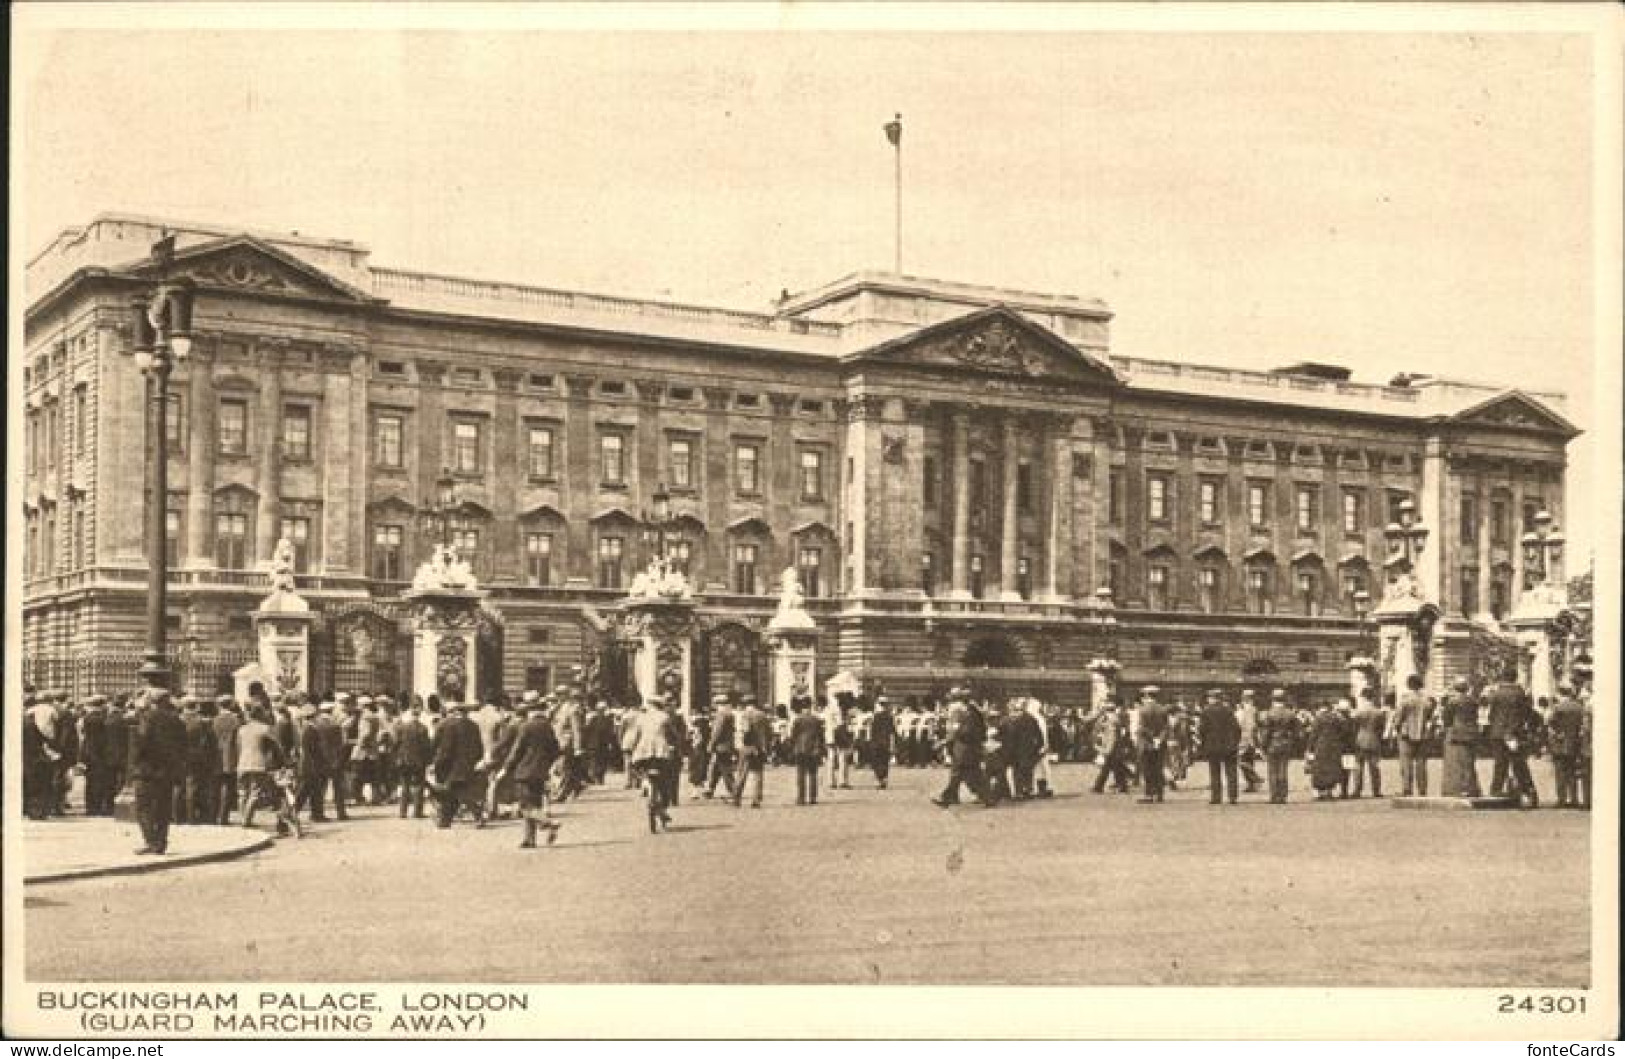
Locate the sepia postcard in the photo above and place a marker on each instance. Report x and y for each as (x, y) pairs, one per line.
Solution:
(813, 521)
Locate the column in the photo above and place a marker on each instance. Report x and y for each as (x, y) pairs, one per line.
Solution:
(783, 492)
(267, 457)
(200, 408)
(1009, 529)
(1515, 534)
(961, 528)
(338, 414)
(431, 428)
(358, 463)
(1485, 570)
(717, 485)
(1058, 583)
(580, 486)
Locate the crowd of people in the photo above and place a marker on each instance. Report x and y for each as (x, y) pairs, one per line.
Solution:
(217, 761)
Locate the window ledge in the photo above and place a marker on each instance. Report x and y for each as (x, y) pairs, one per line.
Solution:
(539, 479)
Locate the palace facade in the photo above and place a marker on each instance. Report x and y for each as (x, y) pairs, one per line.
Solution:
(971, 486)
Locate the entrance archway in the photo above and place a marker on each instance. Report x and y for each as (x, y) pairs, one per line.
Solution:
(731, 659)
(368, 653)
(488, 642)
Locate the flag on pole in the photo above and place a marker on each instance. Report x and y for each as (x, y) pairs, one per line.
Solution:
(894, 130)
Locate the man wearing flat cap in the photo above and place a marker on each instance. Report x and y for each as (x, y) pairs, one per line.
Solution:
(1280, 734)
(1151, 739)
(158, 751)
(723, 752)
(1220, 735)
(226, 722)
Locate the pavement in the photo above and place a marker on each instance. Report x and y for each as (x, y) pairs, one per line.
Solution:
(868, 886)
(76, 847)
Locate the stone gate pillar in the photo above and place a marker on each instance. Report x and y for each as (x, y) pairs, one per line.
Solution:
(1102, 682)
(1404, 633)
(659, 621)
(282, 632)
(445, 602)
(792, 637)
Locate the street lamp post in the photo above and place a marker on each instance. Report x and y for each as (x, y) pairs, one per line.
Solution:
(1406, 538)
(436, 518)
(160, 338)
(658, 522)
(1542, 552)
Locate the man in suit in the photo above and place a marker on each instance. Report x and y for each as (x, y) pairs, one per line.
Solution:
(1413, 723)
(1509, 710)
(412, 755)
(1220, 735)
(158, 757)
(721, 748)
(1563, 734)
(755, 734)
(1109, 730)
(314, 763)
(1247, 756)
(195, 798)
(1023, 741)
(337, 746)
(1151, 740)
(457, 753)
(226, 723)
(93, 755)
(807, 748)
(1279, 734)
(966, 731)
(530, 762)
(1369, 725)
(882, 738)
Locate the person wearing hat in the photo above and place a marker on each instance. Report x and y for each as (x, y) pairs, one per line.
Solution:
(882, 738)
(653, 750)
(413, 752)
(93, 757)
(1219, 743)
(457, 754)
(1563, 732)
(1458, 714)
(1369, 723)
(1412, 725)
(315, 759)
(724, 757)
(1279, 735)
(1328, 742)
(1150, 729)
(529, 761)
(1514, 728)
(158, 753)
(224, 724)
(194, 796)
(1108, 729)
(1247, 754)
(966, 731)
(753, 743)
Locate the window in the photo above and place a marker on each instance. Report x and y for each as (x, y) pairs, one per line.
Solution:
(386, 440)
(681, 393)
(1024, 578)
(612, 389)
(928, 573)
(539, 382)
(1159, 652)
(48, 548)
(747, 469)
(466, 376)
(539, 635)
(1354, 582)
(391, 367)
(1114, 578)
(680, 554)
(1207, 589)
(1308, 585)
(1210, 654)
(53, 433)
(1396, 500)
(680, 463)
(1260, 590)
(978, 582)
(296, 432)
(812, 474)
(811, 563)
(33, 563)
(296, 531)
(1308, 656)
(1308, 508)
(465, 447)
(1498, 523)
(1156, 502)
(233, 428)
(230, 540)
(748, 400)
(1114, 497)
(611, 459)
(1024, 488)
(541, 452)
(1469, 591)
(610, 552)
(1353, 520)
(77, 542)
(812, 407)
(1207, 501)
(1156, 587)
(172, 538)
(80, 404)
(386, 552)
(466, 540)
(745, 569)
(1531, 508)
(928, 487)
(1469, 520)
(539, 558)
(1258, 505)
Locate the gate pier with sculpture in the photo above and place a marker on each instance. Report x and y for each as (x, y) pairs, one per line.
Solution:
(445, 601)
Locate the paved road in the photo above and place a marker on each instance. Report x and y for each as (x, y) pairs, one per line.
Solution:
(868, 886)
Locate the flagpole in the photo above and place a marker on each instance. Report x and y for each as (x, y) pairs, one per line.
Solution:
(894, 133)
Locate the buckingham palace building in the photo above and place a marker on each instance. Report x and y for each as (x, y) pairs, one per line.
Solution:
(971, 485)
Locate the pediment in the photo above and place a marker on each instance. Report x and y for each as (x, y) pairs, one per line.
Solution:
(993, 341)
(1518, 410)
(244, 264)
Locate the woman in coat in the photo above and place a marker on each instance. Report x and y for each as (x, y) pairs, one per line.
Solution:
(1328, 741)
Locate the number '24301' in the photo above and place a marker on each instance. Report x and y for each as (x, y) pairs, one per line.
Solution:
(1507, 1004)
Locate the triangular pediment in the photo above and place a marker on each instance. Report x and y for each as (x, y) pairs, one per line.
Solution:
(242, 263)
(994, 341)
(1516, 409)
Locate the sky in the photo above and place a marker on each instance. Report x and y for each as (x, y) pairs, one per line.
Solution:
(1385, 201)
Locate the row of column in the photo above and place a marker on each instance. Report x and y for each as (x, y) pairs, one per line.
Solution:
(1056, 448)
